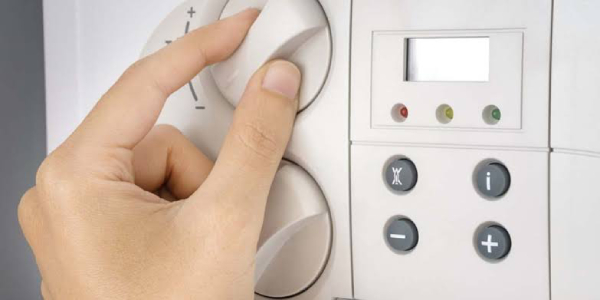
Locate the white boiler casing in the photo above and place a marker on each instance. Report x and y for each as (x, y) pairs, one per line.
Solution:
(444, 149)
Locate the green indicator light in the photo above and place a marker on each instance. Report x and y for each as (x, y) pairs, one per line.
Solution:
(449, 113)
(496, 114)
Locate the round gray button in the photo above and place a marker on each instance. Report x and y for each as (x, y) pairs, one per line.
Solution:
(402, 234)
(401, 175)
(493, 180)
(493, 242)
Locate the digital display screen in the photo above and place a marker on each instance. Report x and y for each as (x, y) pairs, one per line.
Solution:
(461, 59)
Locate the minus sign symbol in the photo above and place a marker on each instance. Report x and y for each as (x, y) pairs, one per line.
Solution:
(398, 236)
(200, 107)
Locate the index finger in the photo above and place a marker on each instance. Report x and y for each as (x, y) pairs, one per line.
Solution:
(129, 110)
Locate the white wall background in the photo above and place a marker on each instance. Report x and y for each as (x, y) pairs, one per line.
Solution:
(103, 54)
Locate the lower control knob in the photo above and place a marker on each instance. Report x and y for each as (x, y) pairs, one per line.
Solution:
(295, 242)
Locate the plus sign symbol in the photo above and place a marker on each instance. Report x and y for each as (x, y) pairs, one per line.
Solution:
(489, 244)
(191, 12)
(493, 242)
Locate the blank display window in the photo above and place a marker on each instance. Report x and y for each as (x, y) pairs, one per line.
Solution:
(448, 59)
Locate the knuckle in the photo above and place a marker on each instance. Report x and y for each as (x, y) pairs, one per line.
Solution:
(26, 208)
(56, 178)
(229, 222)
(47, 171)
(135, 68)
(50, 171)
(260, 141)
(166, 131)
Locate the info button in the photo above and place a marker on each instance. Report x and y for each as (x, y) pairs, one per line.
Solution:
(492, 180)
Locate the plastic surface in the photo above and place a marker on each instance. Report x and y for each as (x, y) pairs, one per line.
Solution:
(575, 200)
(391, 82)
(518, 85)
(447, 137)
(575, 73)
(574, 226)
(448, 211)
(289, 29)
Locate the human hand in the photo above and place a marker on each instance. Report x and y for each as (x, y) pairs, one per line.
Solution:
(102, 220)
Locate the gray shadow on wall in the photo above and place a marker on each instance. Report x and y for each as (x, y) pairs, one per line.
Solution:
(22, 137)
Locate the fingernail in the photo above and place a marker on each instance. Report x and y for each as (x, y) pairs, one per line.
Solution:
(283, 78)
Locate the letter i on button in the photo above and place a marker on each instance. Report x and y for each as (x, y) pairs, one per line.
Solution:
(493, 180)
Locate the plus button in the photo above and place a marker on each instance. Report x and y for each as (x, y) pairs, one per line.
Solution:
(493, 242)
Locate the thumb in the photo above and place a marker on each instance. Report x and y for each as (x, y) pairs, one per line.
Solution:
(252, 151)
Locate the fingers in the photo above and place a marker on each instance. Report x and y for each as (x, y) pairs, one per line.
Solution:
(130, 109)
(259, 135)
(166, 157)
(45, 292)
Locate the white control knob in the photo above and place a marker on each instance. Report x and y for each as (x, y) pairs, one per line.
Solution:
(296, 238)
(296, 30)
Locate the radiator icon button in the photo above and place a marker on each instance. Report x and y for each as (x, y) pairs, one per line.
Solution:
(401, 175)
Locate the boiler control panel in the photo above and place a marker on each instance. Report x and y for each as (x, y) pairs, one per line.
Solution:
(421, 159)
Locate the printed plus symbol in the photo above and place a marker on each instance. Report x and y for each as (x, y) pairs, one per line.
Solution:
(489, 244)
(192, 12)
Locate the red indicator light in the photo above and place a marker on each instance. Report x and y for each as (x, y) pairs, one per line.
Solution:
(404, 112)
